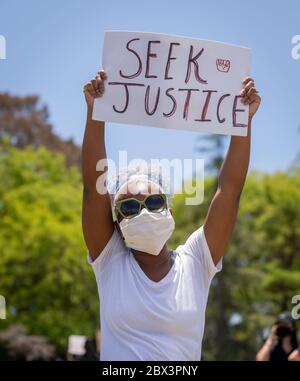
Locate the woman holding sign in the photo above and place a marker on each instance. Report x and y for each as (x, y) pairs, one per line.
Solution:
(153, 299)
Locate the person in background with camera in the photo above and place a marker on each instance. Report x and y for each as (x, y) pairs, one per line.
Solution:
(282, 344)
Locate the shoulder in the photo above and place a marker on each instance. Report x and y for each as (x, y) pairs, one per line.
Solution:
(113, 250)
(195, 245)
(196, 251)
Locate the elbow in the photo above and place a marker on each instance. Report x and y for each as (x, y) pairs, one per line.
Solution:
(230, 190)
(88, 187)
(230, 195)
(89, 181)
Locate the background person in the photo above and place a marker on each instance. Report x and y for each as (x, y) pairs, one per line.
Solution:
(91, 353)
(295, 355)
(282, 340)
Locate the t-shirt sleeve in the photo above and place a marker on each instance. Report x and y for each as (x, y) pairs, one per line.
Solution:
(196, 246)
(104, 258)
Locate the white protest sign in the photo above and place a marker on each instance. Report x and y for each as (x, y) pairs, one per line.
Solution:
(76, 344)
(173, 82)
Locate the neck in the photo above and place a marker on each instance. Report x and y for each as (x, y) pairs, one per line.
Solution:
(149, 260)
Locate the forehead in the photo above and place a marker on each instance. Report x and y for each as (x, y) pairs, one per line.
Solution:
(137, 189)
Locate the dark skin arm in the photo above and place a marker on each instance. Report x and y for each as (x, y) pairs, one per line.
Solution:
(222, 213)
(97, 220)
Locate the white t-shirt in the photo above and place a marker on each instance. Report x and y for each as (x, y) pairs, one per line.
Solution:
(153, 321)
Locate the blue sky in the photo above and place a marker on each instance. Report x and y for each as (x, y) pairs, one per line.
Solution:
(54, 47)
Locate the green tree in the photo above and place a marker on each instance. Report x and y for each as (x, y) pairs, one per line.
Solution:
(261, 271)
(25, 122)
(44, 275)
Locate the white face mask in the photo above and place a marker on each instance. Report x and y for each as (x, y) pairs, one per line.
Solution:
(148, 231)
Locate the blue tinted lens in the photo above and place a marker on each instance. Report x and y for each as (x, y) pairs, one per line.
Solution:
(155, 203)
(130, 208)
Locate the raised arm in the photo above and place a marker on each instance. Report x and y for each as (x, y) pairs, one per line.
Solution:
(264, 353)
(222, 213)
(97, 220)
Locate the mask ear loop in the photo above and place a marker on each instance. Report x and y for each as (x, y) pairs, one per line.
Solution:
(114, 217)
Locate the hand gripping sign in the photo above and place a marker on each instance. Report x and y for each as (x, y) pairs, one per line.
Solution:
(173, 82)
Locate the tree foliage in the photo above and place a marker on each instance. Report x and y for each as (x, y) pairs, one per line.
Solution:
(44, 274)
(26, 123)
(261, 271)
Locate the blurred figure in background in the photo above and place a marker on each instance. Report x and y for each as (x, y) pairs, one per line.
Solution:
(282, 341)
(295, 355)
(90, 351)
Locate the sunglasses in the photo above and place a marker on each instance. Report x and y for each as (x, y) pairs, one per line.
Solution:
(131, 207)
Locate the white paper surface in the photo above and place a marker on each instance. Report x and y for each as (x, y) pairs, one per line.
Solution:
(76, 345)
(204, 89)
